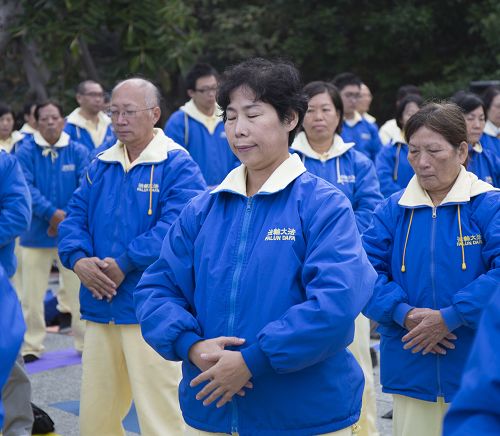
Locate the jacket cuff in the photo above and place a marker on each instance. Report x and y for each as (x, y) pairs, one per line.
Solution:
(400, 313)
(51, 210)
(125, 263)
(258, 363)
(75, 257)
(451, 317)
(184, 343)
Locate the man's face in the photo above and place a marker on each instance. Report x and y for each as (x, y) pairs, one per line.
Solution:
(204, 93)
(92, 100)
(50, 123)
(133, 121)
(350, 95)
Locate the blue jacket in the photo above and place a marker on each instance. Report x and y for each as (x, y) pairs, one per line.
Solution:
(485, 164)
(125, 215)
(15, 209)
(210, 150)
(263, 268)
(363, 134)
(11, 331)
(393, 169)
(490, 139)
(451, 258)
(475, 409)
(52, 174)
(346, 169)
(75, 128)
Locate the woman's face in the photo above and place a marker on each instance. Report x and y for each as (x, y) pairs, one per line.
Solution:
(435, 161)
(321, 119)
(494, 111)
(6, 125)
(255, 133)
(475, 121)
(410, 109)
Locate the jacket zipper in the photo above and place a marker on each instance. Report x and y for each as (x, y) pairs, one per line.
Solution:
(433, 276)
(240, 257)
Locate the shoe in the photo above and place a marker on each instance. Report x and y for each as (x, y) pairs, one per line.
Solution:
(64, 323)
(28, 358)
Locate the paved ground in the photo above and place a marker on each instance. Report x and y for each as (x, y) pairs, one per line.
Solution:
(63, 385)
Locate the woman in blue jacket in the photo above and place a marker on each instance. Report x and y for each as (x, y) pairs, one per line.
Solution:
(269, 265)
(491, 136)
(393, 169)
(436, 248)
(483, 162)
(326, 155)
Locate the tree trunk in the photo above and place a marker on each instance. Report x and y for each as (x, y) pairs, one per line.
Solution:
(35, 69)
(8, 11)
(88, 61)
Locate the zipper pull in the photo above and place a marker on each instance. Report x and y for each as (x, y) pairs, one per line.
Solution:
(434, 212)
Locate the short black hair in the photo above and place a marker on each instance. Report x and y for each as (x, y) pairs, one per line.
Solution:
(27, 107)
(48, 103)
(319, 87)
(5, 109)
(405, 90)
(197, 71)
(401, 105)
(489, 95)
(345, 79)
(275, 82)
(81, 88)
(467, 102)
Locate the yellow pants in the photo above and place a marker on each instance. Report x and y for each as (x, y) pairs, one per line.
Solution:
(118, 366)
(190, 431)
(36, 265)
(360, 348)
(412, 417)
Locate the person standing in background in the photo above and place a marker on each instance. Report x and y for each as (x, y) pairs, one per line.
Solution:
(491, 136)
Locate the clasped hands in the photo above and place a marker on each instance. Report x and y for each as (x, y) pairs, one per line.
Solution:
(225, 371)
(101, 277)
(427, 332)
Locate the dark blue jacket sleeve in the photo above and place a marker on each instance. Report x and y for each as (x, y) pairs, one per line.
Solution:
(384, 164)
(389, 302)
(338, 282)
(375, 143)
(184, 181)
(74, 240)
(475, 409)
(174, 128)
(15, 200)
(367, 192)
(469, 302)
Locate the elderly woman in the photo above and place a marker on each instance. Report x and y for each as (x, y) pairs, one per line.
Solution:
(326, 155)
(393, 169)
(248, 291)
(8, 136)
(491, 136)
(483, 162)
(436, 248)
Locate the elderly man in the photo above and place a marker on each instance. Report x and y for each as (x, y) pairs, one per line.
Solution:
(52, 165)
(198, 127)
(117, 220)
(87, 124)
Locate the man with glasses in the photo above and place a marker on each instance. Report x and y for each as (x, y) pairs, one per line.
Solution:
(88, 124)
(198, 127)
(355, 128)
(129, 197)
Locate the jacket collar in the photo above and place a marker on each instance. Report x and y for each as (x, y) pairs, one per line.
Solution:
(352, 122)
(76, 118)
(209, 122)
(286, 173)
(477, 147)
(397, 137)
(465, 187)
(155, 152)
(338, 148)
(8, 143)
(27, 129)
(370, 118)
(491, 129)
(63, 140)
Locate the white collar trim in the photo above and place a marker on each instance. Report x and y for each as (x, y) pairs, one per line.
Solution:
(78, 120)
(491, 129)
(155, 152)
(63, 140)
(286, 173)
(338, 148)
(355, 120)
(209, 122)
(465, 187)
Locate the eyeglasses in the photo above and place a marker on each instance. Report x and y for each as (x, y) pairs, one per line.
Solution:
(352, 95)
(207, 90)
(126, 114)
(94, 94)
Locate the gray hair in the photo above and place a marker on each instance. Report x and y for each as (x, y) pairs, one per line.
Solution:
(152, 95)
